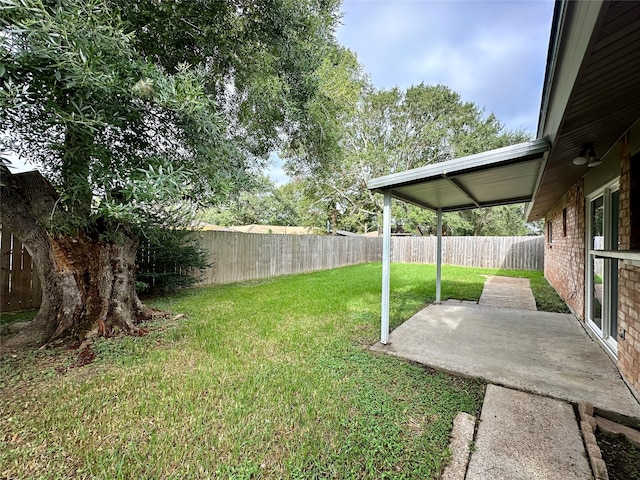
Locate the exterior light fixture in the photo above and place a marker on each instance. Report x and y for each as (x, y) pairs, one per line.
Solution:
(587, 155)
(580, 159)
(593, 160)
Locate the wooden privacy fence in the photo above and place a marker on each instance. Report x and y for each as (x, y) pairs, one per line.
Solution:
(510, 253)
(239, 256)
(236, 256)
(19, 281)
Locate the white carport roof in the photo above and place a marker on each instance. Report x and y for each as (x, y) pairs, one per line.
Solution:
(497, 177)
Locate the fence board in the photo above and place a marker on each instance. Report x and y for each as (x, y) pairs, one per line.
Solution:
(5, 270)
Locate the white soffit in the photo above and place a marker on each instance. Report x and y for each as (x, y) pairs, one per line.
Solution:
(497, 177)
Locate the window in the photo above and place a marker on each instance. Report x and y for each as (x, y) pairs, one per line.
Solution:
(549, 232)
(564, 222)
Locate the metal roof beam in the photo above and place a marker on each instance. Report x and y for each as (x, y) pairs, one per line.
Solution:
(413, 201)
(495, 203)
(520, 152)
(456, 183)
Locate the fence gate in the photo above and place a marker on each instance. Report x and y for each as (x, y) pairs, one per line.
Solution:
(19, 281)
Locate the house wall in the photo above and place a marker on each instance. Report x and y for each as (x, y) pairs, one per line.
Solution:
(629, 275)
(564, 255)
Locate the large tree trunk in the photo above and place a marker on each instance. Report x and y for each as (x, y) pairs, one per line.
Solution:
(88, 284)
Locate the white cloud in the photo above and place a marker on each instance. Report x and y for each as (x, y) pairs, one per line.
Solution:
(492, 53)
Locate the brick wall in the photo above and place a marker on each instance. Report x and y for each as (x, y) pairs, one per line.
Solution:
(629, 275)
(565, 254)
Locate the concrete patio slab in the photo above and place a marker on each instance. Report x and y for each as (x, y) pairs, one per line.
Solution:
(540, 352)
(527, 437)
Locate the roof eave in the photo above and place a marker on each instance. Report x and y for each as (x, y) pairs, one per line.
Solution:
(559, 14)
(492, 158)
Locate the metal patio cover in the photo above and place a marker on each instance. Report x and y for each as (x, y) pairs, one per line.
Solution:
(496, 177)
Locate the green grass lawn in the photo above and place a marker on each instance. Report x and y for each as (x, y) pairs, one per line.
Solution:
(267, 379)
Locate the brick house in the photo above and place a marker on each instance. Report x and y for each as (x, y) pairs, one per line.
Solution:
(589, 188)
(581, 175)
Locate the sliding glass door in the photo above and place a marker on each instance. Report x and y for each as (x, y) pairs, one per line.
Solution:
(602, 272)
(596, 265)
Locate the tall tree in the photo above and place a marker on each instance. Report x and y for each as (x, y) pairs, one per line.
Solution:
(393, 130)
(340, 83)
(262, 61)
(136, 110)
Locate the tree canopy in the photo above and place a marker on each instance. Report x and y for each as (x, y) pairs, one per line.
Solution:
(134, 102)
(372, 133)
(388, 131)
(261, 202)
(136, 112)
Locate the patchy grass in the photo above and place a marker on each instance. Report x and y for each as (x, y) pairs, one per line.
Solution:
(9, 318)
(265, 379)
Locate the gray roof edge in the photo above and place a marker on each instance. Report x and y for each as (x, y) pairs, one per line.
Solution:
(529, 207)
(559, 14)
(460, 165)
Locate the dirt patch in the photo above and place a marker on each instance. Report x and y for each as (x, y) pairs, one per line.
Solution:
(621, 456)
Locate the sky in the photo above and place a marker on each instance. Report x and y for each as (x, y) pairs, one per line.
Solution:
(493, 53)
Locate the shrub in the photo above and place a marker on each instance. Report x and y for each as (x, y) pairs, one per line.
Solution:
(169, 259)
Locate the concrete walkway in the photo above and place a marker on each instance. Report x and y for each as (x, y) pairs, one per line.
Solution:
(527, 437)
(539, 352)
(508, 292)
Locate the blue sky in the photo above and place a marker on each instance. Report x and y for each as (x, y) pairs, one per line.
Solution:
(493, 53)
